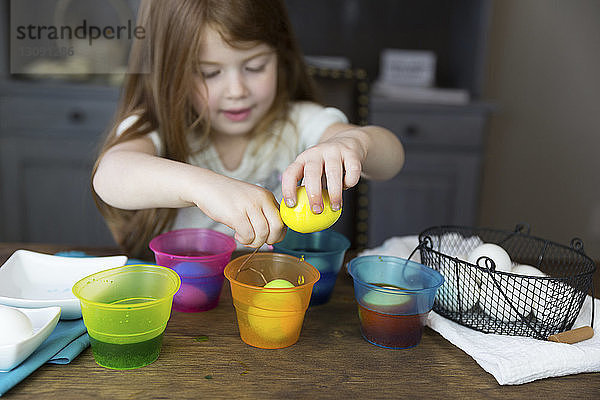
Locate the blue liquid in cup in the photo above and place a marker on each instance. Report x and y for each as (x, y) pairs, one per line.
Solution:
(323, 288)
(198, 294)
(323, 250)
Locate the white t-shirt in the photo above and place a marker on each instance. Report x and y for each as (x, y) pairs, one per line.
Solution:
(262, 166)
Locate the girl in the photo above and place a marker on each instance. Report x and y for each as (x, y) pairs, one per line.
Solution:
(222, 126)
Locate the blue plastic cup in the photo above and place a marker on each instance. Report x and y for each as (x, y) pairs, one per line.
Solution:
(394, 297)
(323, 250)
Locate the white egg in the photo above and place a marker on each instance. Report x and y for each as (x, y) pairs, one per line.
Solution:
(554, 296)
(551, 299)
(538, 288)
(16, 326)
(507, 303)
(494, 252)
(460, 291)
(527, 270)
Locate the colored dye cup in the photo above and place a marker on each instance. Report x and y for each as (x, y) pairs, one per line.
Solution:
(199, 257)
(324, 250)
(125, 311)
(270, 318)
(394, 296)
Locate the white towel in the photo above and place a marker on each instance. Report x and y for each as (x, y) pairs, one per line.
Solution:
(512, 360)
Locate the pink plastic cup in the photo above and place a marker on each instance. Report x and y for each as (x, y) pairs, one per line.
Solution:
(199, 257)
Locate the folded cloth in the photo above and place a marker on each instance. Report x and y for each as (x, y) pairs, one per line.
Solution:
(68, 339)
(512, 360)
(72, 350)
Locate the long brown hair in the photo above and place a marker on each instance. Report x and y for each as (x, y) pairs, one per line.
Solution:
(161, 97)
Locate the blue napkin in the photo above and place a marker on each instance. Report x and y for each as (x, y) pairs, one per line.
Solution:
(134, 261)
(68, 339)
(72, 350)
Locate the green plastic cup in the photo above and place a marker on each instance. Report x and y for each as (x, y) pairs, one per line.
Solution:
(126, 310)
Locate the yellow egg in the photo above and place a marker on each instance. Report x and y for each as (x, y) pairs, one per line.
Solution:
(276, 316)
(301, 218)
(279, 283)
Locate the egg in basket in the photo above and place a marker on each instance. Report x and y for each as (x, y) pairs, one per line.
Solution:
(507, 282)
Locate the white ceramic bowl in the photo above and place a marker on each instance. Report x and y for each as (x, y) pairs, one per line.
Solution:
(33, 280)
(44, 321)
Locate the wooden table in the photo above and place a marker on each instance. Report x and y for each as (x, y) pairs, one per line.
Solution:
(331, 360)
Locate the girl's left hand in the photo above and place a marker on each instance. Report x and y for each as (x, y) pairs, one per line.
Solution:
(336, 161)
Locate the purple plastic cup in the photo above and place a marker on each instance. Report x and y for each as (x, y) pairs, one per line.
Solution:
(199, 257)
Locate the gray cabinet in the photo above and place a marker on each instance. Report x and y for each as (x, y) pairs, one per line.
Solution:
(440, 181)
(49, 138)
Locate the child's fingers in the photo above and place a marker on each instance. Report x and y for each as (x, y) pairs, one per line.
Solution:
(289, 181)
(333, 173)
(260, 227)
(312, 183)
(352, 169)
(238, 238)
(244, 233)
(276, 226)
(281, 235)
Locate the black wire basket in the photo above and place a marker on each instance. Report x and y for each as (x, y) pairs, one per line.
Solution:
(492, 301)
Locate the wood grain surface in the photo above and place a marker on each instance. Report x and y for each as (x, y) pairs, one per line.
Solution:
(203, 357)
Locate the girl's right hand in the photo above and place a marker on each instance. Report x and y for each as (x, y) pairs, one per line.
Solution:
(131, 177)
(250, 210)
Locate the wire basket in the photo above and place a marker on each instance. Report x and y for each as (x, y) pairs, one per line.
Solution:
(490, 301)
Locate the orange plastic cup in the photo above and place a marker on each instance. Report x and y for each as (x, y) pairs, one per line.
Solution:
(270, 318)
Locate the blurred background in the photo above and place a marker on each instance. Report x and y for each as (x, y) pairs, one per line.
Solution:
(496, 103)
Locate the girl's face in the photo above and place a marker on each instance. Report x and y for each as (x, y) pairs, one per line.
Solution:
(236, 86)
